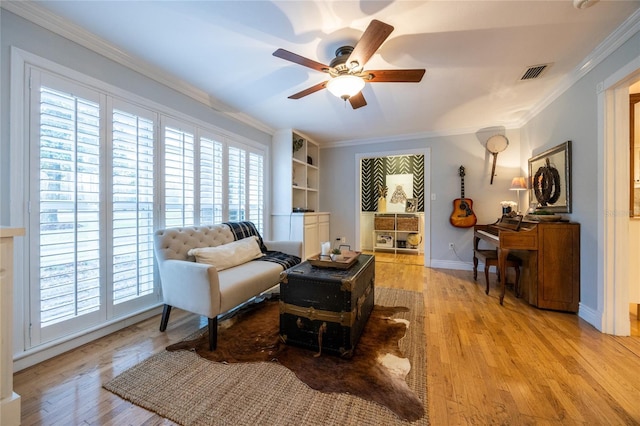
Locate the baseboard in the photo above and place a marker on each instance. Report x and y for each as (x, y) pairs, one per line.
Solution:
(453, 264)
(44, 352)
(591, 316)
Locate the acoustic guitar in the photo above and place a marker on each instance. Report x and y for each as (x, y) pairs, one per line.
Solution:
(462, 215)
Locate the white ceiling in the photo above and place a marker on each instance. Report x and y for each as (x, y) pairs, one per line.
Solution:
(474, 52)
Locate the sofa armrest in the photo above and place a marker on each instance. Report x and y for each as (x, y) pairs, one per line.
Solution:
(191, 286)
(290, 247)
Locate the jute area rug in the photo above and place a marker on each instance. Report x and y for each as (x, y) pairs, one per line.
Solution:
(190, 390)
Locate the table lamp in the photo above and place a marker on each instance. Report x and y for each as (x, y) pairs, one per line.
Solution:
(518, 184)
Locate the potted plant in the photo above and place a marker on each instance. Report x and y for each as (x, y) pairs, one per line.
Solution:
(336, 254)
(382, 198)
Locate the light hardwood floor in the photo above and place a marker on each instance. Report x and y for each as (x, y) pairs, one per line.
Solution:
(486, 363)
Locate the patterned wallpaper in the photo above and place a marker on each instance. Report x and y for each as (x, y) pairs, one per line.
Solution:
(375, 170)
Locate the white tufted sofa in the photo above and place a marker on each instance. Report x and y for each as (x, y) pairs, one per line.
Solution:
(199, 287)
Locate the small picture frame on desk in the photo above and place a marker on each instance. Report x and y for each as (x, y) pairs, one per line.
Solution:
(411, 205)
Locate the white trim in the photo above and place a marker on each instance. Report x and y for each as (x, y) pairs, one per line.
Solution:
(426, 226)
(590, 315)
(613, 41)
(455, 264)
(49, 350)
(47, 20)
(613, 201)
(18, 147)
(404, 137)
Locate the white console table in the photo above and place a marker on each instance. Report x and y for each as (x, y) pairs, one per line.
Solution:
(9, 400)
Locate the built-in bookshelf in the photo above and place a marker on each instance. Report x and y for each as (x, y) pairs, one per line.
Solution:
(296, 192)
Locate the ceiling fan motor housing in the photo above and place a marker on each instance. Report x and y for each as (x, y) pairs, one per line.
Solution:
(339, 63)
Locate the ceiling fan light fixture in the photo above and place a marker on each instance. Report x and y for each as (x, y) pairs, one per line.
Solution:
(345, 86)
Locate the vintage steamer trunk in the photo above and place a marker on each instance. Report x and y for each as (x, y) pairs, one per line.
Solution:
(326, 309)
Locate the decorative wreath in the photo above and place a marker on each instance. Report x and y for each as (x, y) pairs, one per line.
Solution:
(546, 184)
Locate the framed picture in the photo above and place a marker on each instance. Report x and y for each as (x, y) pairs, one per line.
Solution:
(550, 179)
(411, 205)
(400, 189)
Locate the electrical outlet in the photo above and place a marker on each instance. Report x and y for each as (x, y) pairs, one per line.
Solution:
(451, 246)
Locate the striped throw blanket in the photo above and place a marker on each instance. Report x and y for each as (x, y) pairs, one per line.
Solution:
(242, 230)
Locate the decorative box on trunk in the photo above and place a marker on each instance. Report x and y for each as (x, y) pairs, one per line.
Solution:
(326, 309)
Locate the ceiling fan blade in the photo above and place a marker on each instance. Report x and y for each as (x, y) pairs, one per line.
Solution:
(300, 60)
(357, 101)
(375, 34)
(394, 76)
(309, 90)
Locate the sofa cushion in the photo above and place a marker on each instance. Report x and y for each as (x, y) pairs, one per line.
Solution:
(230, 254)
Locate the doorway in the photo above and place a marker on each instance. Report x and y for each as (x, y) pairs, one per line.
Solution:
(397, 163)
(613, 205)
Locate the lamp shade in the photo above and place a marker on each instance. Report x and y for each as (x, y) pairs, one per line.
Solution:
(518, 183)
(346, 85)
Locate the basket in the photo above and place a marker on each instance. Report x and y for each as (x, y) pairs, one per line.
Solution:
(384, 223)
(408, 224)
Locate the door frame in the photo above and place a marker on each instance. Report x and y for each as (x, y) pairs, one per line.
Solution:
(613, 200)
(426, 226)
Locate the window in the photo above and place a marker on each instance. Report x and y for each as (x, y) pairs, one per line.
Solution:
(210, 181)
(236, 189)
(132, 205)
(69, 205)
(179, 177)
(104, 173)
(256, 190)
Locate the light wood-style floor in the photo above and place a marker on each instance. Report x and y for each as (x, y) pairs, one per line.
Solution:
(486, 363)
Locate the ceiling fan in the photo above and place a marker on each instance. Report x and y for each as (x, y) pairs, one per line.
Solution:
(347, 72)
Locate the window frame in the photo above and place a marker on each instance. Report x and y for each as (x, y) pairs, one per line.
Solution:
(27, 339)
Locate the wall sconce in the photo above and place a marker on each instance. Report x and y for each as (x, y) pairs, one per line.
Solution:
(518, 184)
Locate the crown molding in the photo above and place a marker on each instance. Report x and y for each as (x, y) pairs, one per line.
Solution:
(411, 136)
(62, 27)
(609, 45)
(613, 41)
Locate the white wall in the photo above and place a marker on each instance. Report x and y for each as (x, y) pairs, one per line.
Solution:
(574, 116)
(338, 188)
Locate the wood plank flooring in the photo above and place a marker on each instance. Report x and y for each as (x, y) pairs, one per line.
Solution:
(486, 363)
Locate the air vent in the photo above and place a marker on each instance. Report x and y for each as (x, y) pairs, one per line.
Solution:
(534, 72)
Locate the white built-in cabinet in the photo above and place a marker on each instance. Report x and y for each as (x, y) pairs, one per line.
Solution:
(310, 228)
(296, 192)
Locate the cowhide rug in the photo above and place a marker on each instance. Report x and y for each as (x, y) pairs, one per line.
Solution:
(376, 372)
